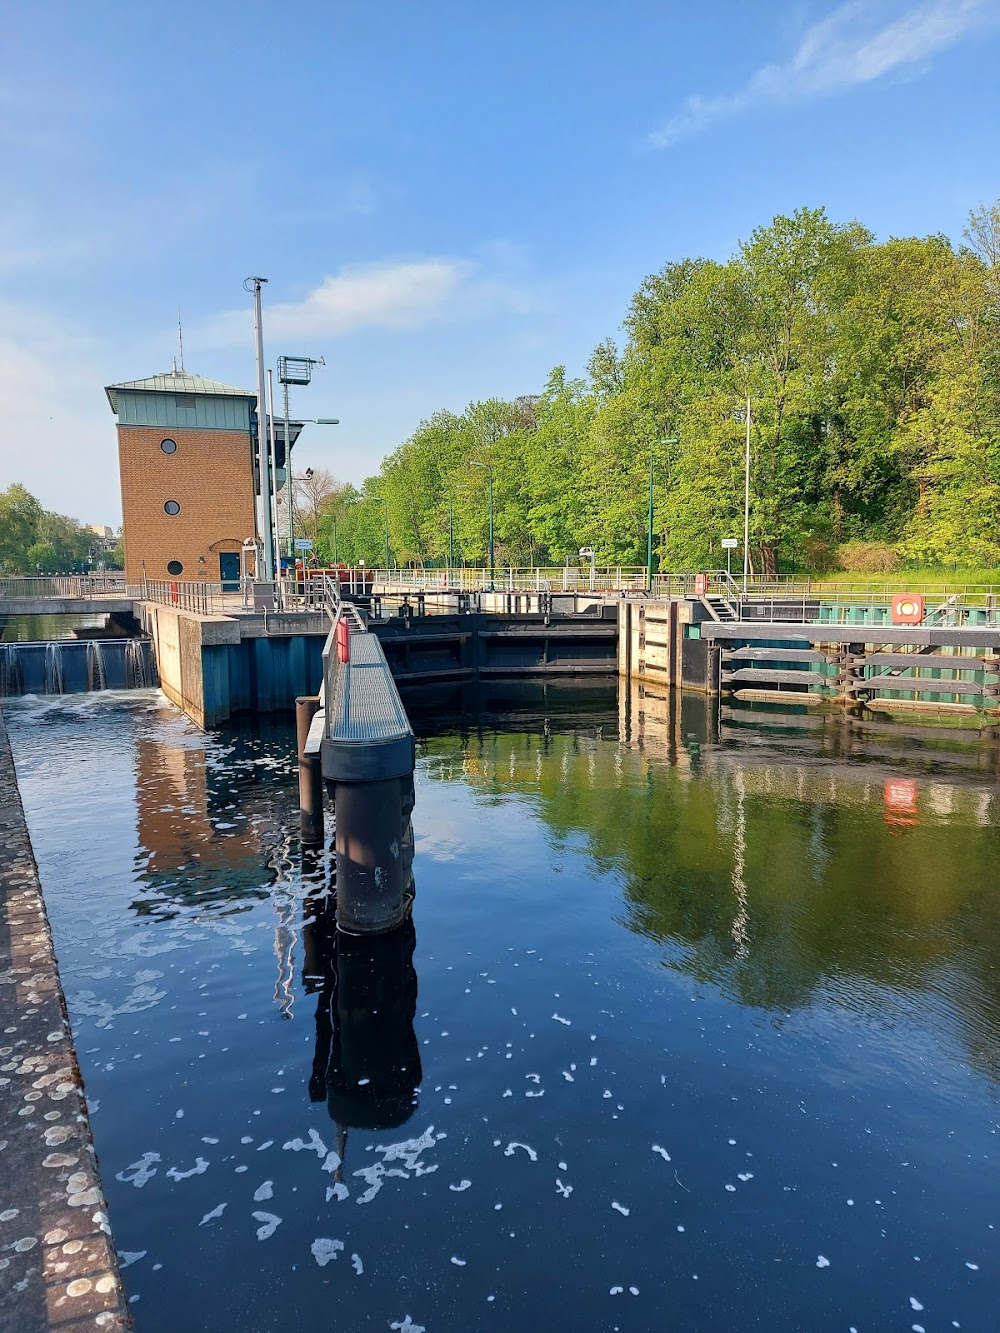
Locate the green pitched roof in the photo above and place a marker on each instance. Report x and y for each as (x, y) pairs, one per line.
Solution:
(177, 381)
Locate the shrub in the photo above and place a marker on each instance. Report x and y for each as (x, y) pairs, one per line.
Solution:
(867, 558)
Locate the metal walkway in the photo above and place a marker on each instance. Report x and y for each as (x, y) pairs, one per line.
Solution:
(361, 731)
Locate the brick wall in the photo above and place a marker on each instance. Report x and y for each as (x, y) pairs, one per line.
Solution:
(211, 478)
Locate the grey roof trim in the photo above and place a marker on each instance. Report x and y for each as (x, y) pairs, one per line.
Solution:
(179, 381)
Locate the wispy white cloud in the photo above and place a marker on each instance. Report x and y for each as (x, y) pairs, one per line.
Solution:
(393, 295)
(856, 44)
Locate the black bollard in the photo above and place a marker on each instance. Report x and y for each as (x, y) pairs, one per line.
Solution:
(310, 774)
(374, 844)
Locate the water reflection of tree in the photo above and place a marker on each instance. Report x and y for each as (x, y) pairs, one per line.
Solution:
(764, 858)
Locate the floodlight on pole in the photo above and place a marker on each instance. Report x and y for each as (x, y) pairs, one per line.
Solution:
(294, 370)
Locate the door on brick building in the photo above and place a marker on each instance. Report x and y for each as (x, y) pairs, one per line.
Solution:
(229, 570)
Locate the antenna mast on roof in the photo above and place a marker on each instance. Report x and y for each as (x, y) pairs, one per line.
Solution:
(180, 338)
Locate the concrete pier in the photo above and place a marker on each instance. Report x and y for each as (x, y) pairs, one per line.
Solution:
(58, 1265)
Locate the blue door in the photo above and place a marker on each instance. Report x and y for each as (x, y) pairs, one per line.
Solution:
(229, 570)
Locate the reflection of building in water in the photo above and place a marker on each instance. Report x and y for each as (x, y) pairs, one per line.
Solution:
(211, 825)
(367, 1061)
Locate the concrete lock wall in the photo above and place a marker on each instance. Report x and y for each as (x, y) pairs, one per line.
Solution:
(215, 666)
(659, 641)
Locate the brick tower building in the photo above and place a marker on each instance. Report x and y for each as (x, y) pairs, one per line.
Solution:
(186, 450)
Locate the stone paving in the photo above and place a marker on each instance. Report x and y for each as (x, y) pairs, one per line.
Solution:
(58, 1264)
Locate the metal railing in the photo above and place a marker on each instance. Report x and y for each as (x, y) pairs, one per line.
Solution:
(204, 599)
(511, 578)
(64, 585)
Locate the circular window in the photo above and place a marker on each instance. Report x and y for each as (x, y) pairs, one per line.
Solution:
(171, 507)
(174, 567)
(168, 446)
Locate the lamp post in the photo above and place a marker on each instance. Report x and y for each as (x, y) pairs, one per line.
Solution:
(649, 532)
(451, 533)
(489, 469)
(383, 501)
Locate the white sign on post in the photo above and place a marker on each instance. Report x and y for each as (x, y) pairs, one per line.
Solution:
(303, 544)
(729, 543)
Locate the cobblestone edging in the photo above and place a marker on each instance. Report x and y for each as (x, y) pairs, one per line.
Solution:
(58, 1264)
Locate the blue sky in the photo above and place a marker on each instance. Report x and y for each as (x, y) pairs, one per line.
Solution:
(447, 198)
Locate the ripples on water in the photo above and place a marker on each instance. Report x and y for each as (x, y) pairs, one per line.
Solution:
(695, 1027)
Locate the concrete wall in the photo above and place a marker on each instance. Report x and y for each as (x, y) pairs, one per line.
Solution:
(214, 666)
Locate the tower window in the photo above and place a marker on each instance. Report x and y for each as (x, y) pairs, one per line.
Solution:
(168, 446)
(171, 507)
(174, 567)
(183, 400)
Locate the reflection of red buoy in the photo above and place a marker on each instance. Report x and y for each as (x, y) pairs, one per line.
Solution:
(343, 641)
(899, 796)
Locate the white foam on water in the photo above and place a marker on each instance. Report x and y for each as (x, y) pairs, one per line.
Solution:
(266, 1144)
(269, 1224)
(559, 1019)
(616, 1291)
(142, 1170)
(359, 1267)
(332, 1162)
(822, 1261)
(206, 1139)
(915, 1304)
(564, 1190)
(407, 1326)
(619, 1208)
(568, 1076)
(634, 1291)
(731, 1189)
(128, 1257)
(323, 1250)
(216, 1212)
(539, 1093)
(974, 1267)
(337, 1191)
(662, 1151)
(313, 1144)
(745, 1176)
(264, 1192)
(457, 1189)
(199, 1169)
(460, 1263)
(509, 1150)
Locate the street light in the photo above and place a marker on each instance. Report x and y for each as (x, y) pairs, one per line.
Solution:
(649, 533)
(451, 531)
(489, 469)
(380, 499)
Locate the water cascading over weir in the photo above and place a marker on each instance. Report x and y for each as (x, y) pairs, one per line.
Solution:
(75, 666)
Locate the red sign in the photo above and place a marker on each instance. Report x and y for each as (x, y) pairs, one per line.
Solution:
(343, 641)
(907, 608)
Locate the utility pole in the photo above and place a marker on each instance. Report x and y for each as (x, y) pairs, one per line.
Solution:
(264, 527)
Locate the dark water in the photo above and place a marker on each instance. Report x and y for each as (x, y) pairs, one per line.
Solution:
(696, 1029)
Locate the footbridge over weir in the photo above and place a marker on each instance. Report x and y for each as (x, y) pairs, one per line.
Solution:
(221, 652)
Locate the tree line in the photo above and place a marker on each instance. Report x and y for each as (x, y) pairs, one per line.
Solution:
(873, 372)
(35, 541)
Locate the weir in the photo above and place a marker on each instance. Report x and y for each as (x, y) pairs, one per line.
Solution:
(74, 666)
